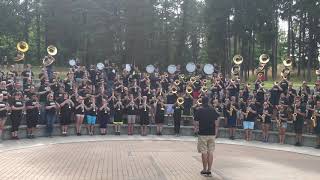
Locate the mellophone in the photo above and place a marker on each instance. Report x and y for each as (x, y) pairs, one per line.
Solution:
(108, 89)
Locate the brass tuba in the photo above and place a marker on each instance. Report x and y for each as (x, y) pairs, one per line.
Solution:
(235, 70)
(285, 73)
(263, 60)
(48, 60)
(22, 48)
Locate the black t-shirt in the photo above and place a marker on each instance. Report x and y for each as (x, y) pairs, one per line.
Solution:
(206, 117)
(171, 98)
(17, 104)
(177, 111)
(275, 96)
(3, 113)
(32, 103)
(252, 116)
(51, 110)
(43, 97)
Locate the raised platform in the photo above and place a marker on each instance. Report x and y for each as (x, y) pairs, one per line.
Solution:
(308, 140)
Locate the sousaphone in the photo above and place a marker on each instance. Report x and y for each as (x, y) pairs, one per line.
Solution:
(49, 59)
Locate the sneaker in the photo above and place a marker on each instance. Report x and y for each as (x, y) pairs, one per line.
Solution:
(204, 173)
(209, 174)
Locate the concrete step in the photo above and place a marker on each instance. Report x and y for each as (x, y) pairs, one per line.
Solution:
(308, 140)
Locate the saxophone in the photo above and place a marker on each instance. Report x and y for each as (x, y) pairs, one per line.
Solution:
(314, 119)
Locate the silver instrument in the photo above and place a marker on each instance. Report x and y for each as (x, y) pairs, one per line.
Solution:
(100, 66)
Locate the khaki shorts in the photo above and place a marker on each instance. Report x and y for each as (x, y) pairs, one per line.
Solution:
(206, 144)
(131, 119)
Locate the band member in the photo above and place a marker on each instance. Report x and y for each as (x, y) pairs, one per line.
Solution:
(32, 116)
(91, 114)
(104, 116)
(159, 117)
(266, 121)
(231, 114)
(118, 116)
(206, 116)
(51, 113)
(66, 110)
(178, 108)
(299, 114)
(316, 123)
(79, 112)
(187, 105)
(132, 114)
(3, 114)
(250, 118)
(144, 116)
(310, 109)
(17, 107)
(282, 123)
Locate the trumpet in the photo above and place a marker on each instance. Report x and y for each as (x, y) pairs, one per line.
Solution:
(199, 101)
(180, 101)
(204, 89)
(174, 90)
(177, 82)
(189, 90)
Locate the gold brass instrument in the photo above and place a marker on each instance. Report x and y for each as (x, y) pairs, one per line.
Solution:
(263, 60)
(181, 76)
(204, 89)
(235, 70)
(314, 119)
(189, 90)
(177, 82)
(230, 109)
(174, 90)
(294, 115)
(205, 81)
(180, 101)
(263, 117)
(193, 79)
(22, 48)
(49, 59)
(199, 101)
(286, 71)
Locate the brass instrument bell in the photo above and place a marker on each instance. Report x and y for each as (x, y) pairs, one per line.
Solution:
(237, 59)
(189, 90)
(177, 82)
(174, 90)
(180, 101)
(287, 62)
(264, 59)
(52, 50)
(22, 46)
(199, 101)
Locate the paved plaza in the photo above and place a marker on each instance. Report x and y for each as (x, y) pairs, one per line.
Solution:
(152, 158)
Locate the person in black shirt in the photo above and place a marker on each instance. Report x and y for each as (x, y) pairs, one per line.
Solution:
(178, 108)
(144, 116)
(188, 103)
(206, 116)
(250, 118)
(104, 116)
(79, 112)
(231, 112)
(118, 115)
(298, 120)
(132, 114)
(17, 107)
(275, 92)
(266, 120)
(32, 116)
(51, 109)
(66, 110)
(3, 113)
(159, 117)
(316, 123)
(282, 123)
(91, 114)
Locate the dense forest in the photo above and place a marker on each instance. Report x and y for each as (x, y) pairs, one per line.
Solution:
(165, 31)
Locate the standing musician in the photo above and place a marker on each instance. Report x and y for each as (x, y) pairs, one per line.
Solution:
(104, 116)
(266, 120)
(79, 113)
(17, 107)
(91, 114)
(32, 116)
(178, 108)
(3, 114)
(250, 117)
(118, 115)
(144, 110)
(316, 122)
(187, 105)
(309, 111)
(282, 123)
(231, 114)
(299, 113)
(159, 116)
(66, 109)
(132, 114)
(51, 108)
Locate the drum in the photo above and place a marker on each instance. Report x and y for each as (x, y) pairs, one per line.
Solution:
(72, 62)
(150, 69)
(100, 66)
(191, 67)
(172, 69)
(208, 69)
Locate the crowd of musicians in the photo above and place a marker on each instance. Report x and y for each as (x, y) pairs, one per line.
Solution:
(90, 95)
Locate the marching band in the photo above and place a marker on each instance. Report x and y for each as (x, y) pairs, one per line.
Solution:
(106, 94)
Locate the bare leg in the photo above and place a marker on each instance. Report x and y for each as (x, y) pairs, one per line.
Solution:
(204, 157)
(210, 161)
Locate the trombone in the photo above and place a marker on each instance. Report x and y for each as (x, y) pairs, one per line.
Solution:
(189, 90)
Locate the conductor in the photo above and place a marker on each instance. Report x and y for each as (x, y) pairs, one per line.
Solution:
(206, 116)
